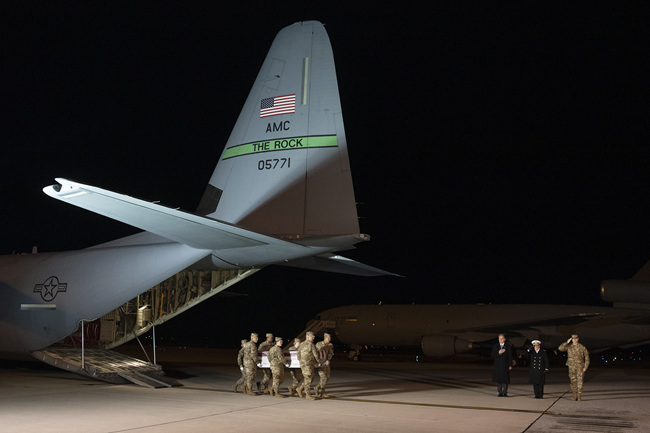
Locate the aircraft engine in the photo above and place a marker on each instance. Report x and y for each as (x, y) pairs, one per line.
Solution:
(444, 345)
(626, 291)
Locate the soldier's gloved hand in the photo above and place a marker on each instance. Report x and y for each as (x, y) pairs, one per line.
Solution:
(241, 368)
(287, 365)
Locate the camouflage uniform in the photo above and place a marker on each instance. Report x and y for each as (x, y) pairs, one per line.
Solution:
(578, 362)
(296, 374)
(308, 358)
(250, 364)
(277, 362)
(240, 362)
(324, 370)
(265, 345)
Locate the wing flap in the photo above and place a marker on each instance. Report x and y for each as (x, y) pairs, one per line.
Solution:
(339, 264)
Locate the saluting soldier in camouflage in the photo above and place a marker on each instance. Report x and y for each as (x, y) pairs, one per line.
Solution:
(308, 358)
(578, 363)
(296, 373)
(250, 363)
(277, 362)
(240, 362)
(324, 370)
(265, 345)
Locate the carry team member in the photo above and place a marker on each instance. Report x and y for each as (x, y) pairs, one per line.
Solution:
(324, 371)
(308, 358)
(265, 346)
(240, 362)
(250, 363)
(296, 373)
(277, 362)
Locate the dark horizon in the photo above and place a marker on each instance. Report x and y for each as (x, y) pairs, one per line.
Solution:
(499, 154)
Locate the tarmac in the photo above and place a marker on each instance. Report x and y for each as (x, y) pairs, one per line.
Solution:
(366, 397)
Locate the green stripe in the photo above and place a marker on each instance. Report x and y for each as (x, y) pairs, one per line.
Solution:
(281, 144)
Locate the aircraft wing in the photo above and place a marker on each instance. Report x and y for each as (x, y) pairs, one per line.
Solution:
(183, 227)
(562, 320)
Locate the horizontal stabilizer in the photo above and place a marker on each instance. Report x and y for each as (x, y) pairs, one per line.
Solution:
(179, 226)
(338, 264)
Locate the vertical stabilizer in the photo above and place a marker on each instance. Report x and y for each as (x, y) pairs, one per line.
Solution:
(285, 170)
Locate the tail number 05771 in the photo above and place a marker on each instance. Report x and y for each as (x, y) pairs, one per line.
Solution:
(272, 164)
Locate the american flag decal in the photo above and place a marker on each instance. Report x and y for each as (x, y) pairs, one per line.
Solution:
(278, 105)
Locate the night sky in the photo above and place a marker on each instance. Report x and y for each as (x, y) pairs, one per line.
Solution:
(500, 154)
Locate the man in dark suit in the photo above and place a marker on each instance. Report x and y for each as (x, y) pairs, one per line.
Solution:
(502, 355)
(538, 368)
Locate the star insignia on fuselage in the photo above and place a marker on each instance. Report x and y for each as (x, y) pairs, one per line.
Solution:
(50, 288)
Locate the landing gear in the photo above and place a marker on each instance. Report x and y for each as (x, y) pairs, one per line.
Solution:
(354, 354)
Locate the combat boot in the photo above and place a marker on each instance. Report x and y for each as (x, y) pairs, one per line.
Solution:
(308, 395)
(249, 391)
(316, 390)
(291, 390)
(234, 387)
(579, 396)
(575, 396)
(277, 394)
(299, 390)
(323, 394)
(270, 391)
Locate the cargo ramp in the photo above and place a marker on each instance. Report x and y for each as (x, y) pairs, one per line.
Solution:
(106, 365)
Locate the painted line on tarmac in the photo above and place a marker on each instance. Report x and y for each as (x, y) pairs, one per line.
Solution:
(448, 406)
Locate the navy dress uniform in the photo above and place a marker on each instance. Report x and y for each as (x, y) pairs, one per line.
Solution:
(538, 368)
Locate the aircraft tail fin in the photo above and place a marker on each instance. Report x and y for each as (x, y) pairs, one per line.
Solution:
(284, 170)
(643, 274)
(632, 293)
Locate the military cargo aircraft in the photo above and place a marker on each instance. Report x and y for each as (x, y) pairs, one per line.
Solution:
(281, 193)
(448, 330)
